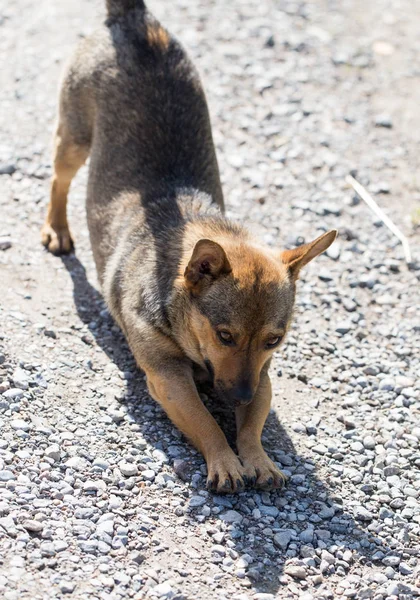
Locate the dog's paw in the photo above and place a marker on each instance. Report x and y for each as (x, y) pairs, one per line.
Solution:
(56, 240)
(225, 474)
(261, 472)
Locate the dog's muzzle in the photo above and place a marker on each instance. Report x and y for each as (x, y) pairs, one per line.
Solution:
(240, 395)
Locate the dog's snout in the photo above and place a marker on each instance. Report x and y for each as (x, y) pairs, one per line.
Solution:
(242, 393)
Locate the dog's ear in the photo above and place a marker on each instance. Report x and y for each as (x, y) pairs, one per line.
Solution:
(298, 257)
(208, 261)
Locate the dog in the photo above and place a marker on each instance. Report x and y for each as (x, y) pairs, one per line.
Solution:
(192, 291)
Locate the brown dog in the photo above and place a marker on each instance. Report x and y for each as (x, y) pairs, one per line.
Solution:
(188, 288)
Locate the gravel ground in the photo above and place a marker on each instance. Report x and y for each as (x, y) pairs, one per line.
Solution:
(100, 497)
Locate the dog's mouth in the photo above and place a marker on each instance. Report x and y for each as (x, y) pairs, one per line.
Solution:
(238, 403)
(227, 397)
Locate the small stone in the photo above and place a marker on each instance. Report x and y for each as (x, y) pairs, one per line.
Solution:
(116, 415)
(77, 463)
(128, 469)
(405, 569)
(137, 557)
(271, 511)
(67, 587)
(20, 424)
(148, 474)
(4, 509)
(317, 382)
(349, 305)
(383, 121)
(307, 536)
(89, 546)
(181, 469)
(387, 384)
(385, 513)
(389, 572)
(370, 371)
(362, 514)
(282, 539)
(325, 275)
(33, 525)
(416, 432)
(50, 333)
(333, 252)
(196, 501)
(357, 447)
(391, 470)
(231, 516)
(369, 442)
(21, 379)
(47, 549)
(401, 381)
(114, 502)
(218, 549)
(163, 590)
(299, 428)
(320, 449)
(13, 394)
(391, 561)
(218, 537)
(101, 464)
(7, 168)
(98, 486)
(9, 525)
(6, 475)
(53, 452)
(344, 327)
(295, 571)
(328, 557)
(330, 208)
(393, 589)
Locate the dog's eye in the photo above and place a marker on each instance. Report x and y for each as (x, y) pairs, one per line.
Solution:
(226, 338)
(272, 342)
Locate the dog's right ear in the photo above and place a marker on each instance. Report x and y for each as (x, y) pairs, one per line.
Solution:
(208, 262)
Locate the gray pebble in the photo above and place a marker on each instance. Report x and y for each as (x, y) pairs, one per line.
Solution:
(53, 452)
(282, 539)
(33, 526)
(295, 571)
(128, 469)
(231, 516)
(6, 475)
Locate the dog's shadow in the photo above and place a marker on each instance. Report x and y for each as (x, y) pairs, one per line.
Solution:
(328, 525)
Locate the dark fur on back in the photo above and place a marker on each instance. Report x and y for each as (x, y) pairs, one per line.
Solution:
(134, 97)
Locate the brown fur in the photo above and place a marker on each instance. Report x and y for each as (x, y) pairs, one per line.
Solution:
(190, 289)
(158, 36)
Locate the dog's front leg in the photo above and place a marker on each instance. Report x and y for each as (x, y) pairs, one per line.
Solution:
(174, 388)
(250, 419)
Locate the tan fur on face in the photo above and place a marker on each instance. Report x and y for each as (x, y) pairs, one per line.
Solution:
(253, 301)
(230, 364)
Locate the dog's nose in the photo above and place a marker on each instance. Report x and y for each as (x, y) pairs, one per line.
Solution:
(242, 394)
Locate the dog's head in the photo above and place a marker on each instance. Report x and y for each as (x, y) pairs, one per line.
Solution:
(242, 299)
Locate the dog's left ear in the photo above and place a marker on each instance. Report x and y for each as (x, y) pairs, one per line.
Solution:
(207, 263)
(298, 257)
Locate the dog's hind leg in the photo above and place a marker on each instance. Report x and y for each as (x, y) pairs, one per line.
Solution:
(69, 156)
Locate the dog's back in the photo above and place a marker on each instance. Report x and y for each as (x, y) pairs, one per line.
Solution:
(132, 96)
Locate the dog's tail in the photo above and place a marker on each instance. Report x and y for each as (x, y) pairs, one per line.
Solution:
(117, 8)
